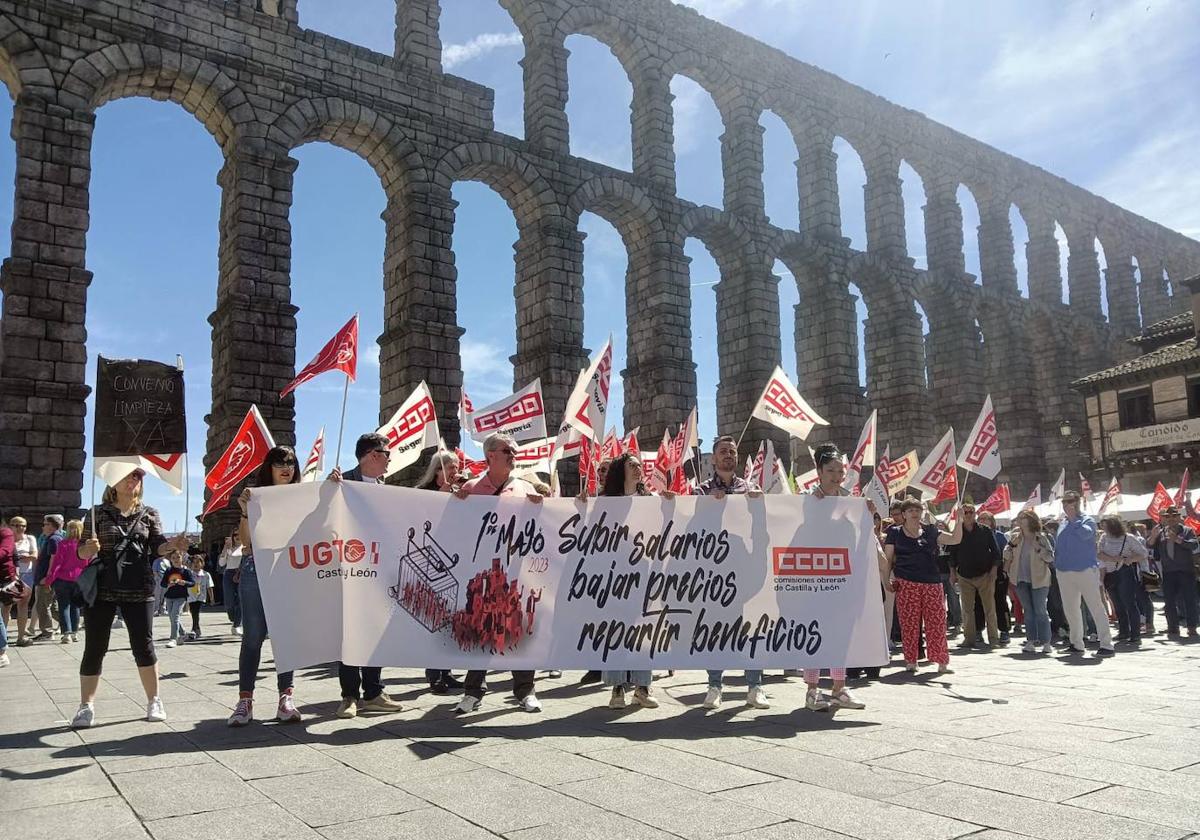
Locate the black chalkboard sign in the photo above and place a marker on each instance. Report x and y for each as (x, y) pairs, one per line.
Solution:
(139, 408)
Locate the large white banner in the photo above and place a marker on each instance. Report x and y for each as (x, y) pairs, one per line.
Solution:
(377, 575)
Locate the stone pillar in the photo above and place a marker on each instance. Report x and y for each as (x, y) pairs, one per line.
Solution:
(1083, 269)
(421, 335)
(748, 349)
(885, 205)
(996, 249)
(418, 43)
(660, 377)
(1152, 288)
(1007, 348)
(43, 352)
(742, 164)
(1121, 287)
(254, 322)
(1041, 252)
(944, 229)
(545, 66)
(827, 354)
(896, 370)
(550, 310)
(816, 176)
(653, 123)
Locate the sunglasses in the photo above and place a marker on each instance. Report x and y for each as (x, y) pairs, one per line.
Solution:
(507, 450)
(825, 457)
(286, 462)
(379, 452)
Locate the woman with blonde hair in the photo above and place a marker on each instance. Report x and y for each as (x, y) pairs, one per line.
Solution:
(65, 569)
(126, 537)
(1027, 560)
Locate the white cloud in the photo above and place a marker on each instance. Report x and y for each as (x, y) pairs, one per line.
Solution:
(481, 45)
(371, 357)
(1159, 178)
(487, 372)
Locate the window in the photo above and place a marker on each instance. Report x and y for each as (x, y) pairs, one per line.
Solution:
(1193, 392)
(1136, 408)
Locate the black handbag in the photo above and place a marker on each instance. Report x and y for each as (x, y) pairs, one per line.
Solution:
(89, 581)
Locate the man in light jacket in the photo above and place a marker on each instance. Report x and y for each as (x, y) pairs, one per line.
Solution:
(1079, 574)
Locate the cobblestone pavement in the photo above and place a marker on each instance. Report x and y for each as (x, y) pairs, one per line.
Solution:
(1008, 746)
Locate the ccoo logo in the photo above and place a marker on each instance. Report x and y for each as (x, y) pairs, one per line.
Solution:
(799, 561)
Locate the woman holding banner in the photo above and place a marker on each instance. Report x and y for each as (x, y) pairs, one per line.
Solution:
(278, 468)
(831, 472)
(911, 550)
(127, 537)
(441, 475)
(624, 478)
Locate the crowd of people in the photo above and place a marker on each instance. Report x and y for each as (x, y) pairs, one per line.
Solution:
(1059, 582)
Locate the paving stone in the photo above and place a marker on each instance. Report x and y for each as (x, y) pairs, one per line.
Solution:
(1020, 781)
(1184, 782)
(428, 822)
(156, 795)
(605, 826)
(669, 807)
(327, 797)
(1030, 817)
(38, 785)
(260, 761)
(1146, 750)
(266, 821)
(838, 744)
(833, 773)
(792, 830)
(692, 771)
(542, 766)
(901, 739)
(1149, 806)
(397, 760)
(110, 818)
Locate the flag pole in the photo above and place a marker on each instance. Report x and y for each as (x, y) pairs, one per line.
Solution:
(743, 434)
(337, 455)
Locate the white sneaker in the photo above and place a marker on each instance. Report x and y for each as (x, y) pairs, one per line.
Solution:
(1029, 647)
(85, 716)
(155, 710)
(118, 623)
(911, 667)
(530, 703)
(843, 699)
(4, 660)
(814, 701)
(347, 708)
(74, 637)
(617, 700)
(1047, 648)
(243, 712)
(170, 643)
(756, 698)
(237, 630)
(712, 700)
(286, 711)
(467, 705)
(642, 697)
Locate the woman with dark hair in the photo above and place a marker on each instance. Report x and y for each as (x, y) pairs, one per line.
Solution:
(1119, 555)
(441, 475)
(127, 536)
(11, 588)
(280, 467)
(624, 478)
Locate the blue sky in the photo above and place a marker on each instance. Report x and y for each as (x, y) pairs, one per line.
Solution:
(1101, 93)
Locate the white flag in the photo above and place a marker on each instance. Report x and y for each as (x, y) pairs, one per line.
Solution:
(937, 463)
(1035, 499)
(781, 405)
(411, 430)
(522, 415)
(168, 468)
(315, 465)
(1059, 487)
(877, 494)
(534, 457)
(864, 453)
(981, 451)
(465, 409)
(588, 405)
(782, 486)
(807, 481)
(773, 477)
(1113, 494)
(566, 444)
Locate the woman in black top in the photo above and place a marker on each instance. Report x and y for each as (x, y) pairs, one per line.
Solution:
(127, 537)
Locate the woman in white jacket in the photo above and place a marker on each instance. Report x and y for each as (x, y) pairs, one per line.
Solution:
(1027, 560)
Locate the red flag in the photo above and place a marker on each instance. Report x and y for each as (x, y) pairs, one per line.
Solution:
(245, 454)
(949, 488)
(680, 485)
(612, 445)
(1161, 500)
(999, 502)
(631, 443)
(341, 353)
(660, 477)
(1181, 493)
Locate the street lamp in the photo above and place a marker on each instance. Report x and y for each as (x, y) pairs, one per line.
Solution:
(1064, 428)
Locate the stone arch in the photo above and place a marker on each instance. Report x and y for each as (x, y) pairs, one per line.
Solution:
(725, 237)
(355, 128)
(625, 206)
(510, 174)
(623, 40)
(130, 69)
(22, 63)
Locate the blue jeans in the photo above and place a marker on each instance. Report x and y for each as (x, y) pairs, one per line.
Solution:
(254, 632)
(641, 679)
(174, 608)
(1037, 616)
(1122, 587)
(69, 599)
(753, 678)
(231, 597)
(1177, 587)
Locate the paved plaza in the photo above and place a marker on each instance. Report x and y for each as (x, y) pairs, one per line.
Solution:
(1008, 746)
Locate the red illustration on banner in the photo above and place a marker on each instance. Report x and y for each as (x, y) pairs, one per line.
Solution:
(494, 619)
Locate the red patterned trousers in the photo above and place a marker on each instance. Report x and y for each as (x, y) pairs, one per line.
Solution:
(917, 603)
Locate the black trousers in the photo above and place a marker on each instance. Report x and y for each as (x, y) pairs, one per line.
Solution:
(194, 608)
(522, 684)
(365, 683)
(138, 620)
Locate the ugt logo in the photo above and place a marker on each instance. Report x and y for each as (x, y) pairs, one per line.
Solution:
(326, 552)
(802, 561)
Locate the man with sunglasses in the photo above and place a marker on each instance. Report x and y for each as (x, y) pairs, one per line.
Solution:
(1174, 546)
(362, 687)
(976, 563)
(1078, 565)
(499, 450)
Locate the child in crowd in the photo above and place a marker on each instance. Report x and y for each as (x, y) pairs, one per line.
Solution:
(199, 594)
(175, 583)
